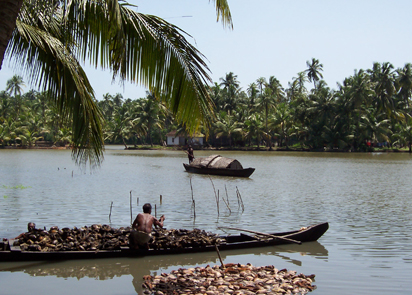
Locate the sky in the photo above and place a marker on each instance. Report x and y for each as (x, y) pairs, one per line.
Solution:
(277, 38)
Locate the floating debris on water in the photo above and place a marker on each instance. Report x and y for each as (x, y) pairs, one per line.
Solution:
(232, 279)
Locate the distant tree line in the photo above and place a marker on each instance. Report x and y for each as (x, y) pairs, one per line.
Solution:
(370, 108)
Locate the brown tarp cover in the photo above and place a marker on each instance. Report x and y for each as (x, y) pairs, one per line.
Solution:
(216, 161)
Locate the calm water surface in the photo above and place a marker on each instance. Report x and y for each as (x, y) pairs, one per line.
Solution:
(366, 198)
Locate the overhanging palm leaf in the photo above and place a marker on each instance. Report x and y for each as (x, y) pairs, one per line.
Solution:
(52, 36)
(41, 53)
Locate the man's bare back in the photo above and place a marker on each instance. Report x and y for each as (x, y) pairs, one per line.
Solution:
(142, 227)
(145, 221)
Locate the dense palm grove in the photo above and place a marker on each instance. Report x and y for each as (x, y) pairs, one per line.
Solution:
(369, 109)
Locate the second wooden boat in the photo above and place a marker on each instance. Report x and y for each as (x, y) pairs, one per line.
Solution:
(218, 165)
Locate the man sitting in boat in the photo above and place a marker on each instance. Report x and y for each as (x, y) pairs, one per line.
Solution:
(142, 228)
(31, 226)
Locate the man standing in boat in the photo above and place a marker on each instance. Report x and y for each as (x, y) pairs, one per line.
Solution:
(190, 154)
(142, 227)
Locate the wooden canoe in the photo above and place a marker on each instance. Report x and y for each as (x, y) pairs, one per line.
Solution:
(218, 165)
(232, 242)
(220, 171)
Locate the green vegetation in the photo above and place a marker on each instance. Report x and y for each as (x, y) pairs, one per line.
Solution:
(15, 187)
(369, 110)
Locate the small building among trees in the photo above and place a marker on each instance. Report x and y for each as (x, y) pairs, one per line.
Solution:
(176, 139)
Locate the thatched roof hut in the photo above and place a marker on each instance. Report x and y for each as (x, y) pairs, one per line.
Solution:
(216, 161)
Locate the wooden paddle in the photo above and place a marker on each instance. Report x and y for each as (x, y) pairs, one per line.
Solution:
(263, 234)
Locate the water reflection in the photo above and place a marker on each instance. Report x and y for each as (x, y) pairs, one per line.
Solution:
(107, 269)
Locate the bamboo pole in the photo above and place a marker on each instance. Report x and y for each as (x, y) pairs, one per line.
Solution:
(227, 196)
(227, 204)
(240, 197)
(110, 214)
(218, 254)
(194, 209)
(131, 210)
(216, 195)
(218, 200)
(262, 234)
(193, 200)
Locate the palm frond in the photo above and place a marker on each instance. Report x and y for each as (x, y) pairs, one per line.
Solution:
(50, 64)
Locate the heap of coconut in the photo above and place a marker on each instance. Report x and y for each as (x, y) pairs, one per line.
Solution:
(104, 237)
(87, 238)
(230, 279)
(182, 238)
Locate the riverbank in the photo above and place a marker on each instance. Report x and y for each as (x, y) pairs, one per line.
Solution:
(245, 149)
(35, 147)
(263, 149)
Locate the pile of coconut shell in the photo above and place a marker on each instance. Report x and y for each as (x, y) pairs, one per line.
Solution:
(104, 237)
(93, 238)
(230, 279)
(182, 238)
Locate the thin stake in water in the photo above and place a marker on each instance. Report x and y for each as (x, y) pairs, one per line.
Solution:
(216, 195)
(193, 200)
(131, 211)
(110, 214)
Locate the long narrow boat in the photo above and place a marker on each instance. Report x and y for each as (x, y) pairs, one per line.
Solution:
(231, 242)
(218, 165)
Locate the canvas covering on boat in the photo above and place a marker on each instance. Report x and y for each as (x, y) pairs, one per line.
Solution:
(218, 162)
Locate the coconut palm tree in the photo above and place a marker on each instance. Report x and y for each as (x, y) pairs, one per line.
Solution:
(404, 82)
(314, 71)
(9, 131)
(281, 121)
(28, 138)
(261, 82)
(301, 79)
(216, 93)
(41, 104)
(14, 85)
(375, 126)
(148, 114)
(403, 136)
(277, 90)
(356, 96)
(360, 91)
(267, 102)
(230, 79)
(227, 126)
(254, 127)
(49, 39)
(384, 78)
(5, 105)
(252, 93)
(231, 91)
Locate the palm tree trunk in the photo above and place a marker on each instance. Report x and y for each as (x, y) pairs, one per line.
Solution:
(161, 138)
(124, 142)
(9, 9)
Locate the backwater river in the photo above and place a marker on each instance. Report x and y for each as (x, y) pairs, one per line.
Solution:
(365, 197)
